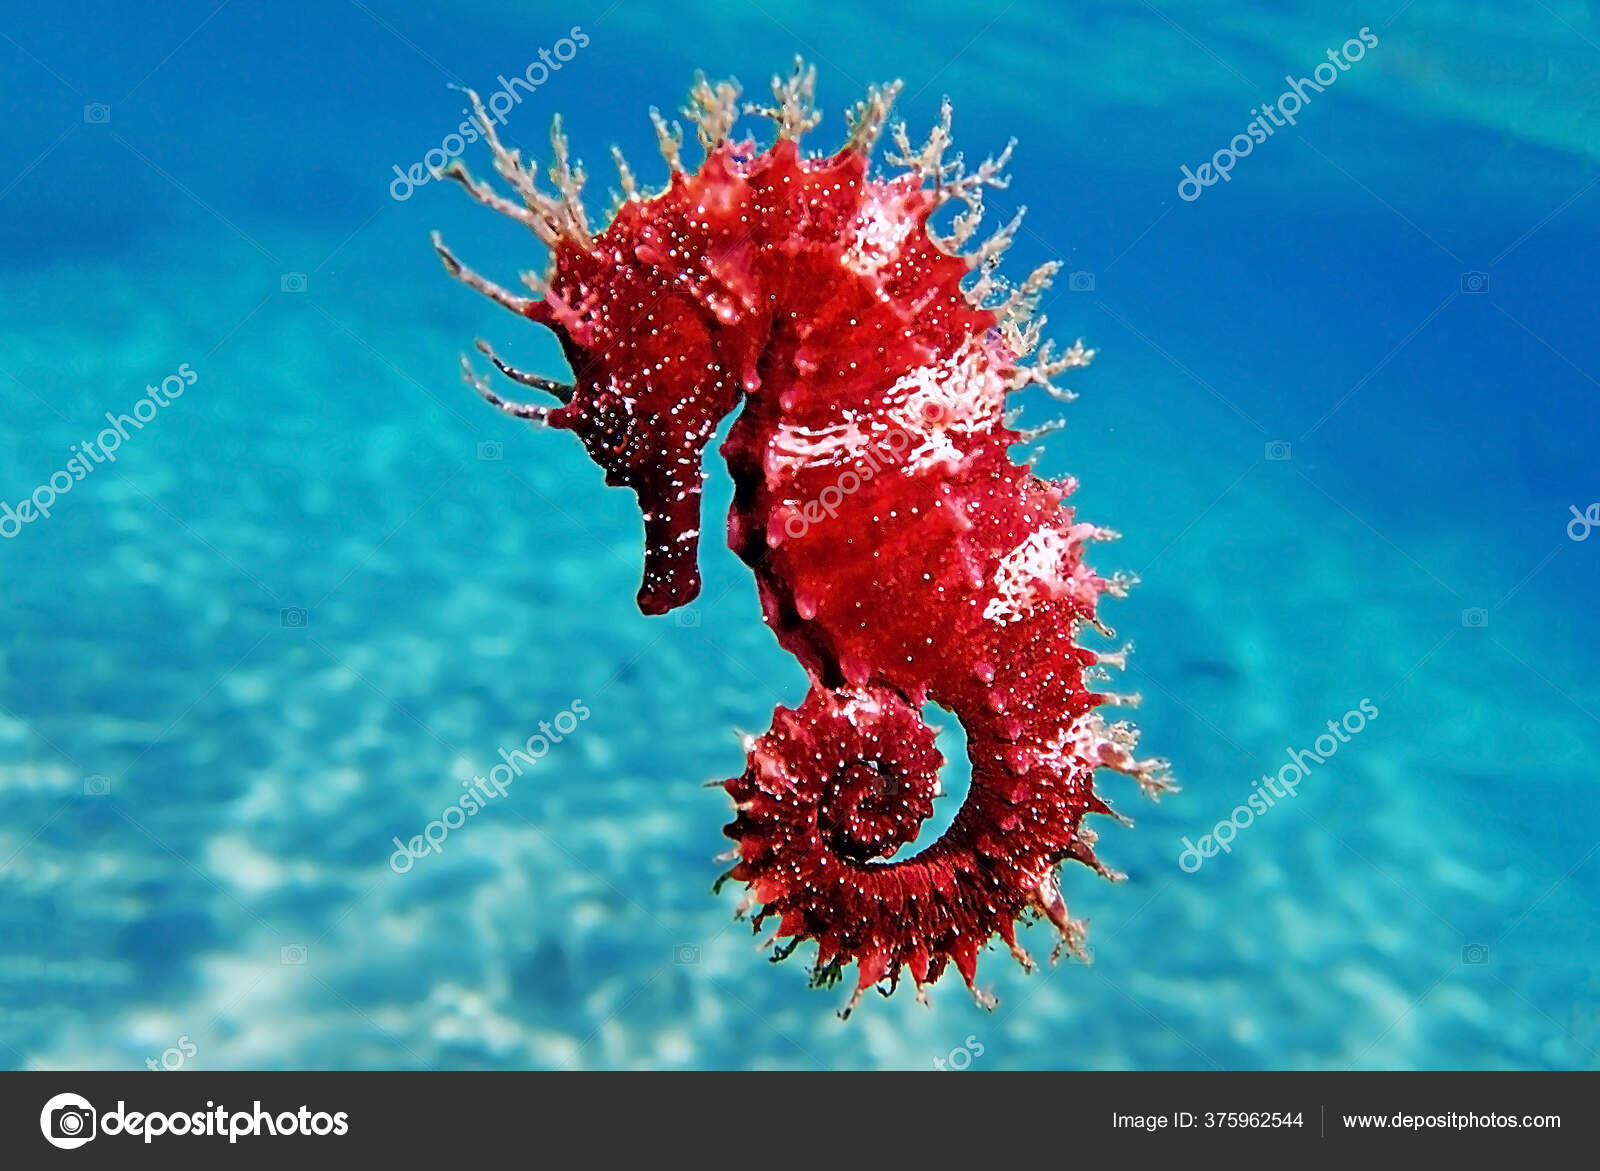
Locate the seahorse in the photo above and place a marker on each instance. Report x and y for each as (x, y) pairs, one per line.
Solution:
(898, 550)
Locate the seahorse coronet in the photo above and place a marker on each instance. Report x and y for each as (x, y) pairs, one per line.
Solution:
(898, 550)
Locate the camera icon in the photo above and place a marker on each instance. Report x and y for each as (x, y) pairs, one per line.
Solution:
(1475, 618)
(293, 954)
(293, 617)
(97, 113)
(97, 786)
(293, 282)
(491, 449)
(1279, 450)
(688, 617)
(1475, 953)
(686, 953)
(68, 1121)
(1080, 282)
(1474, 282)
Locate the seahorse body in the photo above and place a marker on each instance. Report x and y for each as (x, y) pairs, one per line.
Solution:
(899, 552)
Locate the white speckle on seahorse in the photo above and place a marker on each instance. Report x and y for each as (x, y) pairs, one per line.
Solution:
(880, 232)
(795, 447)
(1022, 572)
(935, 405)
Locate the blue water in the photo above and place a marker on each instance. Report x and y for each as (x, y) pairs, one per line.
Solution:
(303, 605)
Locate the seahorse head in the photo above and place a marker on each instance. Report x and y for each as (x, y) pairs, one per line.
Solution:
(665, 313)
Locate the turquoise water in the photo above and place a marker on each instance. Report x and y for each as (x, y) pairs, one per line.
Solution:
(1343, 410)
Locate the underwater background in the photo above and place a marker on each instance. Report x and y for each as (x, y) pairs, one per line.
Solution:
(1344, 410)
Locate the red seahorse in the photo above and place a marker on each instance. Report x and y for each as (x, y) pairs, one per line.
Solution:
(899, 552)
